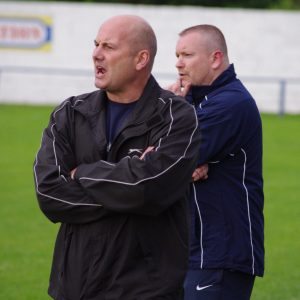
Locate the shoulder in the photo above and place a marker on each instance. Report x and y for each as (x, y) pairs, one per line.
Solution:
(233, 97)
(165, 98)
(81, 100)
(176, 101)
(64, 112)
(232, 105)
(177, 109)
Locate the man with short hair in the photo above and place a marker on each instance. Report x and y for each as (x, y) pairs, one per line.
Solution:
(114, 169)
(226, 204)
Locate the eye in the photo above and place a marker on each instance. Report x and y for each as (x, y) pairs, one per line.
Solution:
(96, 43)
(183, 55)
(108, 46)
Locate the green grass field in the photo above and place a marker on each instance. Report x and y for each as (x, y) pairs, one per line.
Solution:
(27, 237)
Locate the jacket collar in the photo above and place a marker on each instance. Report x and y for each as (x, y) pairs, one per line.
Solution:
(94, 102)
(146, 104)
(145, 115)
(92, 107)
(197, 93)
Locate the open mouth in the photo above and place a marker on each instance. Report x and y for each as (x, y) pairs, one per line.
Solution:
(100, 70)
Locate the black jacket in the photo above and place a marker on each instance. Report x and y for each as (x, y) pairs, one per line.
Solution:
(124, 220)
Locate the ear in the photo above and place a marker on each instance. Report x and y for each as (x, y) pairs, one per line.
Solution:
(217, 59)
(142, 59)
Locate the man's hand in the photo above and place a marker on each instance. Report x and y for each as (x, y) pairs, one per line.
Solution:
(72, 173)
(149, 149)
(200, 173)
(178, 88)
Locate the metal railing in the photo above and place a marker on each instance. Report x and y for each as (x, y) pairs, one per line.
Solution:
(282, 84)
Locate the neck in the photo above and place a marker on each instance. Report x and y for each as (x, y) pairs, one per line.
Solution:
(220, 70)
(124, 97)
(132, 93)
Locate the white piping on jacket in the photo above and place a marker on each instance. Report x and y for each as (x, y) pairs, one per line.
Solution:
(248, 209)
(201, 224)
(248, 212)
(56, 163)
(200, 105)
(172, 119)
(161, 173)
(95, 179)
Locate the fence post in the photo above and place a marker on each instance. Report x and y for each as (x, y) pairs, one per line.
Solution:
(282, 94)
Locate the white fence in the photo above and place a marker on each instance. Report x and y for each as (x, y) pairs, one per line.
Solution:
(263, 45)
(276, 95)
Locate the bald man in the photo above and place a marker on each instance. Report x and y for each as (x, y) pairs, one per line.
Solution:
(226, 202)
(114, 169)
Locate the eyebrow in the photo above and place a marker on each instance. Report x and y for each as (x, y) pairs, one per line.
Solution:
(104, 43)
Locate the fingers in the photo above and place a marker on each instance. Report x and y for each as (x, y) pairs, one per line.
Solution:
(179, 88)
(175, 87)
(200, 173)
(72, 173)
(149, 149)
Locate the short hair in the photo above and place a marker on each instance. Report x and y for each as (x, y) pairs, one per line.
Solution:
(215, 35)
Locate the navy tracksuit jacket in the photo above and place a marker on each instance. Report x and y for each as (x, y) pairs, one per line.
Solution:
(227, 208)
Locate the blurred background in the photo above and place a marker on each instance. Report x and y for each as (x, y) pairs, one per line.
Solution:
(46, 47)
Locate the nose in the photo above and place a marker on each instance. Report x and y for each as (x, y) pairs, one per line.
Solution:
(179, 63)
(97, 53)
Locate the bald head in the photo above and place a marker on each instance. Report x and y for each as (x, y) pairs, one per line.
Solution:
(125, 48)
(136, 32)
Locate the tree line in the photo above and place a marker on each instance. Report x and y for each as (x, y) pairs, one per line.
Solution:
(261, 4)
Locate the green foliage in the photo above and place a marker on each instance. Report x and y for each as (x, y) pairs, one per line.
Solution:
(261, 4)
(27, 237)
(286, 4)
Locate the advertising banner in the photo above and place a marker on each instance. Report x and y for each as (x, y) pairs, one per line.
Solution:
(26, 33)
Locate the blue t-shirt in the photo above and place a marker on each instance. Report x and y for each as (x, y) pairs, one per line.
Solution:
(116, 115)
